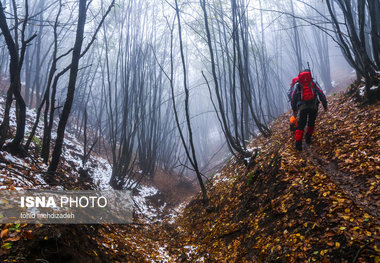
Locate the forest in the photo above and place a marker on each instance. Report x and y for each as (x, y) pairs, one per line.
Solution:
(186, 105)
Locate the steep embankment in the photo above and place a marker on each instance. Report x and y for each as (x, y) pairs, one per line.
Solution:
(319, 205)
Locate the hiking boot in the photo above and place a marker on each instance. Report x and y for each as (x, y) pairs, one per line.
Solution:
(308, 138)
(299, 145)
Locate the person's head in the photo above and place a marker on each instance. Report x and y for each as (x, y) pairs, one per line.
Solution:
(294, 80)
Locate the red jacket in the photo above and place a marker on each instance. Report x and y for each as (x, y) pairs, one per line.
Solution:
(306, 79)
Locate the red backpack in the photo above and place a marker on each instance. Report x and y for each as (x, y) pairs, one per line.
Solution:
(307, 87)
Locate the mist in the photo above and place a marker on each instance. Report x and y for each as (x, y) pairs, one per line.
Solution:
(166, 85)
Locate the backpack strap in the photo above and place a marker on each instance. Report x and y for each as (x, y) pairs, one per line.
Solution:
(301, 89)
(311, 85)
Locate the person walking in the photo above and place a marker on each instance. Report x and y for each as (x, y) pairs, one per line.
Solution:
(305, 100)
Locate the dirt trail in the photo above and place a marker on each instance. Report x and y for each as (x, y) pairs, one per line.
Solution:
(350, 184)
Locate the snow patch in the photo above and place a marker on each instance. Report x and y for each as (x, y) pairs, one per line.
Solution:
(219, 178)
(164, 254)
(142, 207)
(102, 174)
(192, 250)
(175, 212)
(13, 159)
(251, 150)
(362, 89)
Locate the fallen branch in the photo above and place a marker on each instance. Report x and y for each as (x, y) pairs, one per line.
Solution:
(359, 252)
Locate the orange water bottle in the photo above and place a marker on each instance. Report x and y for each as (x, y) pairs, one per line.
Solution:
(293, 123)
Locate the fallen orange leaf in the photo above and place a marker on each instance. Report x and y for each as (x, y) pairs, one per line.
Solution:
(13, 239)
(4, 233)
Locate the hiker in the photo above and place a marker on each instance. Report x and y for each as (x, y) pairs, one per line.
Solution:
(305, 101)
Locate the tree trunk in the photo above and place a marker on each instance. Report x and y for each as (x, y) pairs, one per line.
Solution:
(15, 87)
(71, 87)
(192, 158)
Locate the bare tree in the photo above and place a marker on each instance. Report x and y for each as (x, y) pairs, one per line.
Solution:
(189, 148)
(238, 123)
(16, 62)
(354, 41)
(77, 54)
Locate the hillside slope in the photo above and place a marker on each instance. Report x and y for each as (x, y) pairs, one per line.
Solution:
(319, 205)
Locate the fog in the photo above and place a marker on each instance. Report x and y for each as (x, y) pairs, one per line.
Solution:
(144, 105)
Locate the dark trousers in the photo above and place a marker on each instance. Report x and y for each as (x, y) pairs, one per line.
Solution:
(306, 116)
